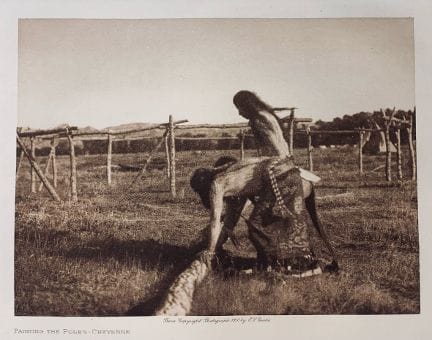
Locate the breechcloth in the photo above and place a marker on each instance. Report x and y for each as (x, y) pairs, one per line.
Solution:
(277, 225)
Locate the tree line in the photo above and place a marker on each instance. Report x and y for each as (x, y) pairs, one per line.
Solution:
(201, 141)
(361, 120)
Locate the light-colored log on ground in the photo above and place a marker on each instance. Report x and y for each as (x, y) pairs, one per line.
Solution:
(178, 300)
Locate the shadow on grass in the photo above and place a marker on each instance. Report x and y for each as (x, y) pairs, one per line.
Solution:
(228, 267)
(149, 253)
(148, 307)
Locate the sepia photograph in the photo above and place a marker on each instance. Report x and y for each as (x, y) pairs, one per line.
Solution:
(216, 167)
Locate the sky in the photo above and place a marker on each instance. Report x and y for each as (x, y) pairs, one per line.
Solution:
(103, 73)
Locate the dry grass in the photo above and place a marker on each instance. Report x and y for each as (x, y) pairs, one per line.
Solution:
(116, 250)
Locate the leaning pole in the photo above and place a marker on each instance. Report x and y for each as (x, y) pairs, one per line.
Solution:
(178, 300)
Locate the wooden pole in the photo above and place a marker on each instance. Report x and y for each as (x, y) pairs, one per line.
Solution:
(53, 162)
(32, 171)
(73, 172)
(309, 148)
(109, 157)
(388, 153)
(411, 148)
(242, 141)
(387, 123)
(38, 171)
(360, 152)
(149, 158)
(21, 155)
(235, 125)
(36, 133)
(398, 154)
(172, 157)
(46, 170)
(291, 131)
(167, 157)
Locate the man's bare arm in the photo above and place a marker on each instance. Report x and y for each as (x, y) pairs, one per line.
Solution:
(216, 208)
(233, 209)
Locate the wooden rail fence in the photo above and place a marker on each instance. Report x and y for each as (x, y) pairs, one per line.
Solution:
(168, 140)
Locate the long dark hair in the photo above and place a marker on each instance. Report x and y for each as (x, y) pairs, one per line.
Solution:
(202, 178)
(249, 101)
(250, 104)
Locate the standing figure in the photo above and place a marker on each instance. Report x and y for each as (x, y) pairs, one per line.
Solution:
(277, 226)
(278, 189)
(264, 124)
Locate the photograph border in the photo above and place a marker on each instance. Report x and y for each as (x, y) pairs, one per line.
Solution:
(296, 327)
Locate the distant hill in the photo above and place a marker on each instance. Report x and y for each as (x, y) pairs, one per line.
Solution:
(129, 126)
(202, 131)
(88, 129)
(207, 131)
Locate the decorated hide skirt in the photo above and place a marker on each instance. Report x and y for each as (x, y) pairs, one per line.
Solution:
(277, 226)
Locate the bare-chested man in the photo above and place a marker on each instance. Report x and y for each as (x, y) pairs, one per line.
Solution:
(277, 225)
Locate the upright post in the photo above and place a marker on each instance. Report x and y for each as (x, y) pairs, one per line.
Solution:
(47, 165)
(398, 154)
(388, 153)
(21, 155)
(309, 148)
(167, 156)
(411, 147)
(53, 161)
(38, 171)
(242, 140)
(32, 171)
(73, 173)
(109, 156)
(172, 157)
(291, 132)
(360, 152)
(387, 123)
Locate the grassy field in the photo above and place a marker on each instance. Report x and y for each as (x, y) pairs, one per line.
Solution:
(116, 250)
